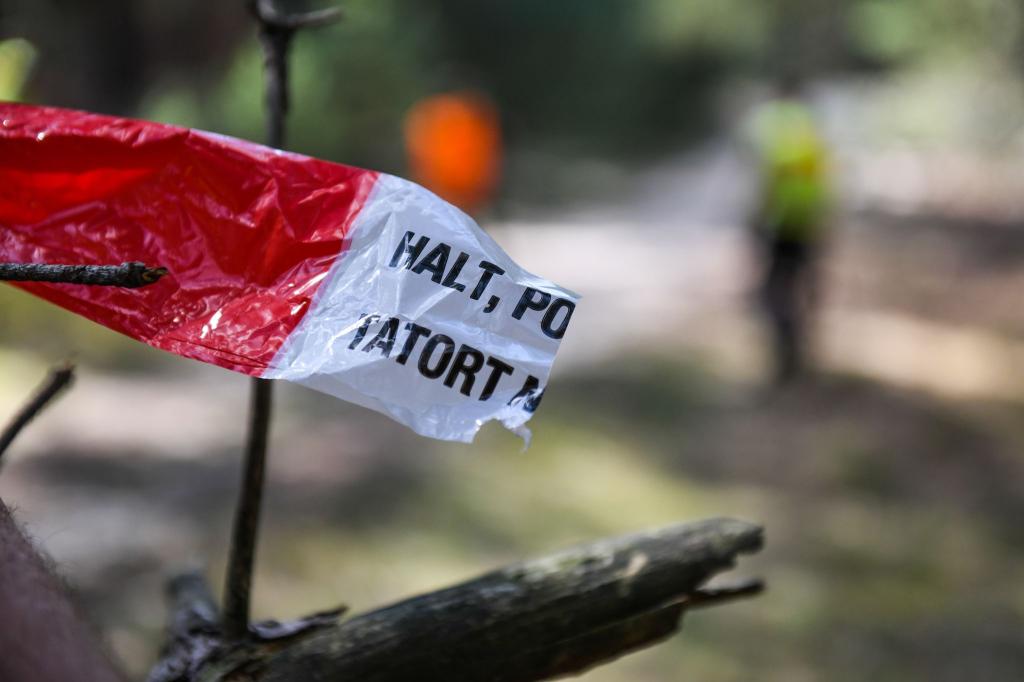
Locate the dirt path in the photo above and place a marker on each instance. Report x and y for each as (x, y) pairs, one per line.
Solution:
(917, 302)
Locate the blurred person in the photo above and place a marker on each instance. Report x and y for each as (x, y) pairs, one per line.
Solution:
(453, 142)
(790, 220)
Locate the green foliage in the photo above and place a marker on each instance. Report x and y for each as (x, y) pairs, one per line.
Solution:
(729, 27)
(16, 59)
(351, 84)
(573, 77)
(900, 31)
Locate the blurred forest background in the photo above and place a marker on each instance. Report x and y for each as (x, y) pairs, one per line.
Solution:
(891, 485)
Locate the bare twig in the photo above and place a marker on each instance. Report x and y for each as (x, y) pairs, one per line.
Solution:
(59, 379)
(558, 615)
(129, 275)
(238, 586)
(276, 31)
(268, 16)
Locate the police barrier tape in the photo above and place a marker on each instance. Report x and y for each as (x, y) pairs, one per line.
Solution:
(355, 283)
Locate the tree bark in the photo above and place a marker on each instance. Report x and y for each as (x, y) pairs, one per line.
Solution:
(130, 275)
(558, 615)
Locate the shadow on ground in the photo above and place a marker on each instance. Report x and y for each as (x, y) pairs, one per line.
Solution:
(894, 550)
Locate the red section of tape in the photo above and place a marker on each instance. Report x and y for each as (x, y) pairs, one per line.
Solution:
(248, 233)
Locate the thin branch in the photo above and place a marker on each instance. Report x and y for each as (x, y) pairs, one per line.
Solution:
(129, 275)
(59, 379)
(276, 32)
(245, 531)
(269, 17)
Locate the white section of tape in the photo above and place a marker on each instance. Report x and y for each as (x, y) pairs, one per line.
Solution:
(399, 325)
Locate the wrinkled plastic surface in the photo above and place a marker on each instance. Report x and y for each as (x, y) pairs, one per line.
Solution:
(439, 338)
(357, 284)
(247, 233)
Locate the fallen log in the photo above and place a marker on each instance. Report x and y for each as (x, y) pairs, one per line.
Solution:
(555, 616)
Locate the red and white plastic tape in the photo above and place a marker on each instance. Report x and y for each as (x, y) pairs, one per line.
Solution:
(355, 283)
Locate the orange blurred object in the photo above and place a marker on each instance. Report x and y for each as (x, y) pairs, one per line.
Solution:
(454, 145)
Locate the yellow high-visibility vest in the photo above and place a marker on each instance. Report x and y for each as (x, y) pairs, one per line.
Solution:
(794, 173)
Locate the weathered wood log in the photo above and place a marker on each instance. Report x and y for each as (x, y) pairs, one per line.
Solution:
(554, 616)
